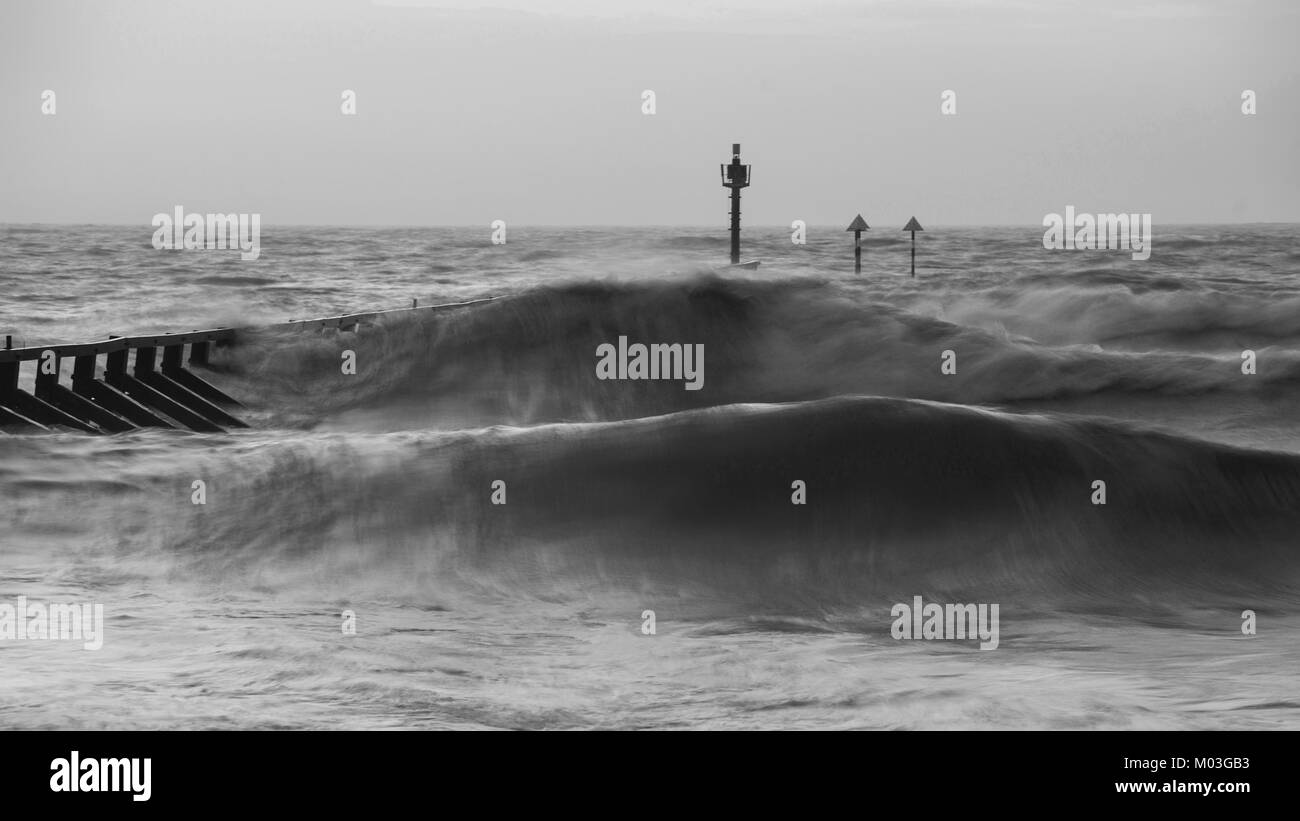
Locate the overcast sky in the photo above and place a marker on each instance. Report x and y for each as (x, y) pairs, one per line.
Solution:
(530, 112)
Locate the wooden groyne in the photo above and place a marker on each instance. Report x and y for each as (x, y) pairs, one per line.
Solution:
(135, 389)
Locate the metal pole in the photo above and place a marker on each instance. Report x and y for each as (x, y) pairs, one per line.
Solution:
(913, 226)
(735, 225)
(735, 176)
(857, 227)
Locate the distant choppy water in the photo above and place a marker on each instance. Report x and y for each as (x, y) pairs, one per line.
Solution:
(371, 493)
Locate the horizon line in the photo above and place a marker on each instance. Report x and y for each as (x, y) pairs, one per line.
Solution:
(721, 229)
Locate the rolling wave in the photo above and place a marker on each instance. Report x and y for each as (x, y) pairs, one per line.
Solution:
(530, 358)
(902, 496)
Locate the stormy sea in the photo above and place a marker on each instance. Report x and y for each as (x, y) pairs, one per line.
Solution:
(1108, 449)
